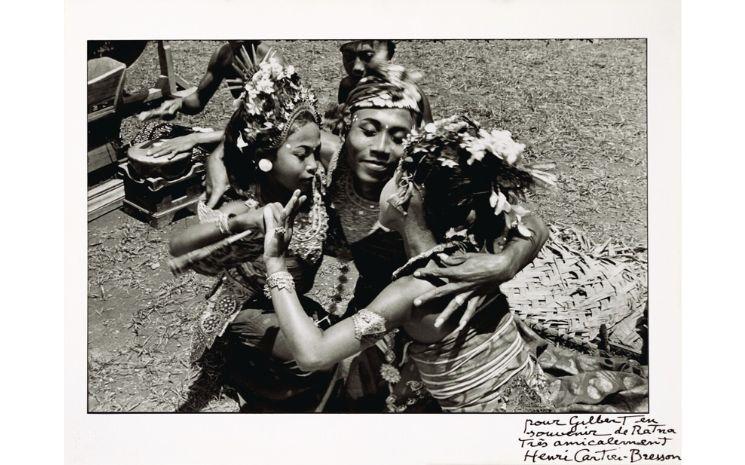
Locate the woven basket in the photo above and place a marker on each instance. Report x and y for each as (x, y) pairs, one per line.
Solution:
(573, 288)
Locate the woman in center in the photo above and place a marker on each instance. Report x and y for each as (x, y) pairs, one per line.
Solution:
(453, 184)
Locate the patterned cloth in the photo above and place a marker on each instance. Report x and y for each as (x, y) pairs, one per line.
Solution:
(508, 368)
(238, 309)
(486, 368)
(580, 382)
(241, 277)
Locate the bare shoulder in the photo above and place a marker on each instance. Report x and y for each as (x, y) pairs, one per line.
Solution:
(330, 144)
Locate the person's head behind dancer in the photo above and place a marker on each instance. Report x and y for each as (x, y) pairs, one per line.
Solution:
(357, 56)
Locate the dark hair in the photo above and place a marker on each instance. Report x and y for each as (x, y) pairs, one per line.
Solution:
(390, 44)
(457, 194)
(241, 164)
(337, 118)
(391, 48)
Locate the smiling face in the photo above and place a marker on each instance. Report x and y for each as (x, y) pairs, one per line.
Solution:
(296, 161)
(374, 143)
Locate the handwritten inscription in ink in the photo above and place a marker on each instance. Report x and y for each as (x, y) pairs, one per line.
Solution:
(598, 438)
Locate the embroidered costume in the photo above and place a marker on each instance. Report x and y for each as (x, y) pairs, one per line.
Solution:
(272, 98)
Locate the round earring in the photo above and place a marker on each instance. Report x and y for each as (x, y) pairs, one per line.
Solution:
(265, 165)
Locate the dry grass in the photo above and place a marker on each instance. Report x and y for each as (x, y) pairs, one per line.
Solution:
(577, 103)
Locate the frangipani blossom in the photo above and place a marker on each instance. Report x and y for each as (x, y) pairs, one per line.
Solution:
(240, 142)
(523, 230)
(477, 149)
(451, 233)
(499, 202)
(265, 85)
(275, 67)
(500, 143)
(252, 108)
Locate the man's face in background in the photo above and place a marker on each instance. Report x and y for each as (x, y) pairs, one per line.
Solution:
(359, 54)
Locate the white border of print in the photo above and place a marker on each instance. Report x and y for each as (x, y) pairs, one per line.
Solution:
(363, 439)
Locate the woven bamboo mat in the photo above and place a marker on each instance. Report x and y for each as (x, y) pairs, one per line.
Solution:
(574, 290)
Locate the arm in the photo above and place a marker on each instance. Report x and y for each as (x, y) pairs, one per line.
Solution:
(195, 102)
(172, 147)
(312, 348)
(210, 82)
(216, 179)
(240, 218)
(475, 275)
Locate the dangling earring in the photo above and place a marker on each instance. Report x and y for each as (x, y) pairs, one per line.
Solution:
(265, 165)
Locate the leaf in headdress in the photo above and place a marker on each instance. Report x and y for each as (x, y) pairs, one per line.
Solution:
(523, 230)
(451, 233)
(544, 178)
(240, 142)
(500, 202)
(493, 199)
(520, 211)
(541, 166)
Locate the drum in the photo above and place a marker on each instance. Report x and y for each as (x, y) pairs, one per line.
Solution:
(167, 166)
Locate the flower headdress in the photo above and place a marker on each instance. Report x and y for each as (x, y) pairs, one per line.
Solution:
(491, 156)
(273, 97)
(386, 86)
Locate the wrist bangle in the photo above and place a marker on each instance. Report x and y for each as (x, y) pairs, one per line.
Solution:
(279, 280)
(222, 225)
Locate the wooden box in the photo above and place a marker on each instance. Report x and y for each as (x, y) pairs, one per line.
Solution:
(156, 200)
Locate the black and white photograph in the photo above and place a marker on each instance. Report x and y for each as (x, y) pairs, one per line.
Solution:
(368, 226)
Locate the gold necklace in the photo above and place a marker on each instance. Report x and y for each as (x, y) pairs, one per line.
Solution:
(310, 230)
(358, 215)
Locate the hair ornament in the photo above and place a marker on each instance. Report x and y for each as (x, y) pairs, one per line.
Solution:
(272, 99)
(459, 142)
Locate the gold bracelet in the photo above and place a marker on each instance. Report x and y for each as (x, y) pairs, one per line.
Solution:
(278, 280)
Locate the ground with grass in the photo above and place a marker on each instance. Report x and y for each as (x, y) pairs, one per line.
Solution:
(579, 104)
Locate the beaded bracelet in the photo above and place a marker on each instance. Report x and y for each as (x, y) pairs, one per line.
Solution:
(279, 280)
